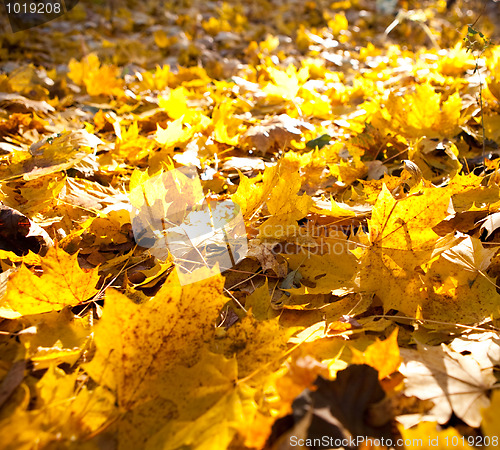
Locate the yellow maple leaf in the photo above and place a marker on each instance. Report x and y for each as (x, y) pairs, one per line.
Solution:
(324, 273)
(315, 105)
(251, 194)
(177, 132)
(61, 284)
(211, 405)
(407, 223)
(381, 355)
(60, 337)
(181, 130)
(30, 258)
(155, 356)
(286, 207)
(402, 239)
(286, 84)
(491, 422)
(338, 23)
(428, 435)
(175, 104)
(349, 171)
(98, 80)
(457, 286)
(131, 144)
(213, 26)
(61, 413)
(157, 80)
(254, 343)
(136, 342)
(424, 113)
(213, 430)
(227, 129)
(457, 61)
(78, 70)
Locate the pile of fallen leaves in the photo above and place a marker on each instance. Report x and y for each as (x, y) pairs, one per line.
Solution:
(359, 141)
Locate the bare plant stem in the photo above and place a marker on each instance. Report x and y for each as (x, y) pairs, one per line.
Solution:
(482, 114)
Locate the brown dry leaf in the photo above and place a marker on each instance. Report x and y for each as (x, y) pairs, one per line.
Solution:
(339, 409)
(455, 383)
(20, 235)
(12, 380)
(268, 259)
(18, 103)
(274, 133)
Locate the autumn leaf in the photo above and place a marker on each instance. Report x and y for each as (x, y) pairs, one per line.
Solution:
(62, 283)
(61, 337)
(286, 208)
(274, 133)
(53, 154)
(454, 382)
(429, 434)
(179, 131)
(402, 240)
(324, 273)
(250, 195)
(75, 414)
(457, 283)
(339, 408)
(381, 355)
(424, 113)
(18, 101)
(348, 190)
(490, 421)
(226, 127)
(159, 328)
(98, 79)
(175, 104)
(256, 344)
(218, 408)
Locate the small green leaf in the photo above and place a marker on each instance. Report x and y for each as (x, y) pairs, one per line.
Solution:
(319, 142)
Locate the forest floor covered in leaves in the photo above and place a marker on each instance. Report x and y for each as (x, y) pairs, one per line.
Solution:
(342, 160)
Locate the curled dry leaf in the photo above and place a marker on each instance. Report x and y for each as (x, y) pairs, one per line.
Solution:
(275, 133)
(18, 103)
(490, 225)
(19, 235)
(267, 258)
